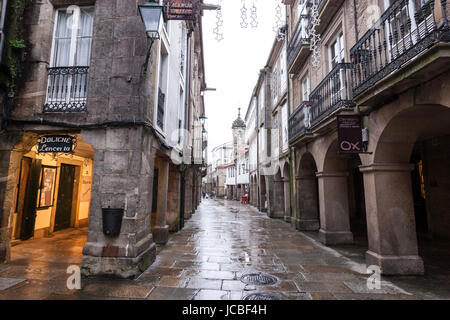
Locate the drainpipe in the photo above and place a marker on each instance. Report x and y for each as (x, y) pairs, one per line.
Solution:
(182, 196)
(187, 80)
(258, 196)
(356, 20)
(288, 91)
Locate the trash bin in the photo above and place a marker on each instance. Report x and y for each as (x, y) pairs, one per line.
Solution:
(112, 221)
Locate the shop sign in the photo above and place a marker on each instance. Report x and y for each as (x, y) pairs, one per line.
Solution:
(56, 143)
(350, 134)
(181, 9)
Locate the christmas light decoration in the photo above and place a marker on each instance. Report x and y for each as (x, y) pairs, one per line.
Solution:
(314, 37)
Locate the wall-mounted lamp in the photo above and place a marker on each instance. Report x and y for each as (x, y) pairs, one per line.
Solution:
(203, 118)
(153, 18)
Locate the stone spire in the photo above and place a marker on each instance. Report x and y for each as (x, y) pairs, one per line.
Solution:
(238, 123)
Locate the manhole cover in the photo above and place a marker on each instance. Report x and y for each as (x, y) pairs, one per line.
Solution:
(262, 296)
(258, 279)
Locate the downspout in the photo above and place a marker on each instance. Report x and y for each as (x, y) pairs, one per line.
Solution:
(288, 91)
(188, 78)
(258, 180)
(356, 21)
(186, 106)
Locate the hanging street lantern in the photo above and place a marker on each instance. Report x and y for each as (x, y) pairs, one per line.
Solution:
(203, 119)
(153, 19)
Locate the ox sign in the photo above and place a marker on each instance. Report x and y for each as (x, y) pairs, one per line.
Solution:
(56, 143)
(350, 134)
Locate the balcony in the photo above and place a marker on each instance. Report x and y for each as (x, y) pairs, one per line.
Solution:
(66, 89)
(298, 44)
(298, 121)
(332, 94)
(385, 59)
(327, 10)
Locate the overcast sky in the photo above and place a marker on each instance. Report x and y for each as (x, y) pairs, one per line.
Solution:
(233, 64)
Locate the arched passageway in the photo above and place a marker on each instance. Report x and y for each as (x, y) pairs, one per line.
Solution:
(408, 191)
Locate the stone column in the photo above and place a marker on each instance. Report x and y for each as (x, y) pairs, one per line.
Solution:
(9, 171)
(307, 218)
(391, 223)
(161, 229)
(174, 198)
(287, 201)
(334, 210)
(122, 178)
(277, 208)
(188, 194)
(270, 196)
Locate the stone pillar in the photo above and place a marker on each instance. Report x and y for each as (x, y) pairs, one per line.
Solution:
(9, 171)
(277, 208)
(270, 196)
(161, 229)
(122, 178)
(188, 194)
(391, 223)
(307, 218)
(334, 210)
(174, 199)
(287, 201)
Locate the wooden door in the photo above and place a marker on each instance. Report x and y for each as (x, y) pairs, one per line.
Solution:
(29, 206)
(65, 197)
(22, 186)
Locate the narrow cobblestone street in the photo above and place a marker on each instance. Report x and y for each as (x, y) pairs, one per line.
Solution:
(223, 241)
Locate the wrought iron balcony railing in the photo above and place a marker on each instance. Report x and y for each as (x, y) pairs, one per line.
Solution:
(404, 31)
(67, 89)
(299, 121)
(332, 93)
(300, 35)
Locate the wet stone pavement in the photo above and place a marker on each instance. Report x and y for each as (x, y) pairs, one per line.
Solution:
(207, 260)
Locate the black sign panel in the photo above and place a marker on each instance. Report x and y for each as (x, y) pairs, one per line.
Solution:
(181, 9)
(55, 144)
(350, 134)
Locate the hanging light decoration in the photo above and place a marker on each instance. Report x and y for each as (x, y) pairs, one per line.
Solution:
(219, 23)
(314, 37)
(244, 23)
(279, 22)
(254, 16)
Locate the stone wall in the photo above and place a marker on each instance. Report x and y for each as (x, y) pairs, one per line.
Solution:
(123, 178)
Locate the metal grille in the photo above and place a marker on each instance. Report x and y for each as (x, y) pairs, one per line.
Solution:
(262, 296)
(67, 89)
(258, 279)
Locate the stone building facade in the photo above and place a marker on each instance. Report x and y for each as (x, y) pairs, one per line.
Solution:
(85, 76)
(387, 63)
(267, 122)
(237, 181)
(220, 159)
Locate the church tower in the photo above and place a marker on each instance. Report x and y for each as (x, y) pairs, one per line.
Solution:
(238, 134)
